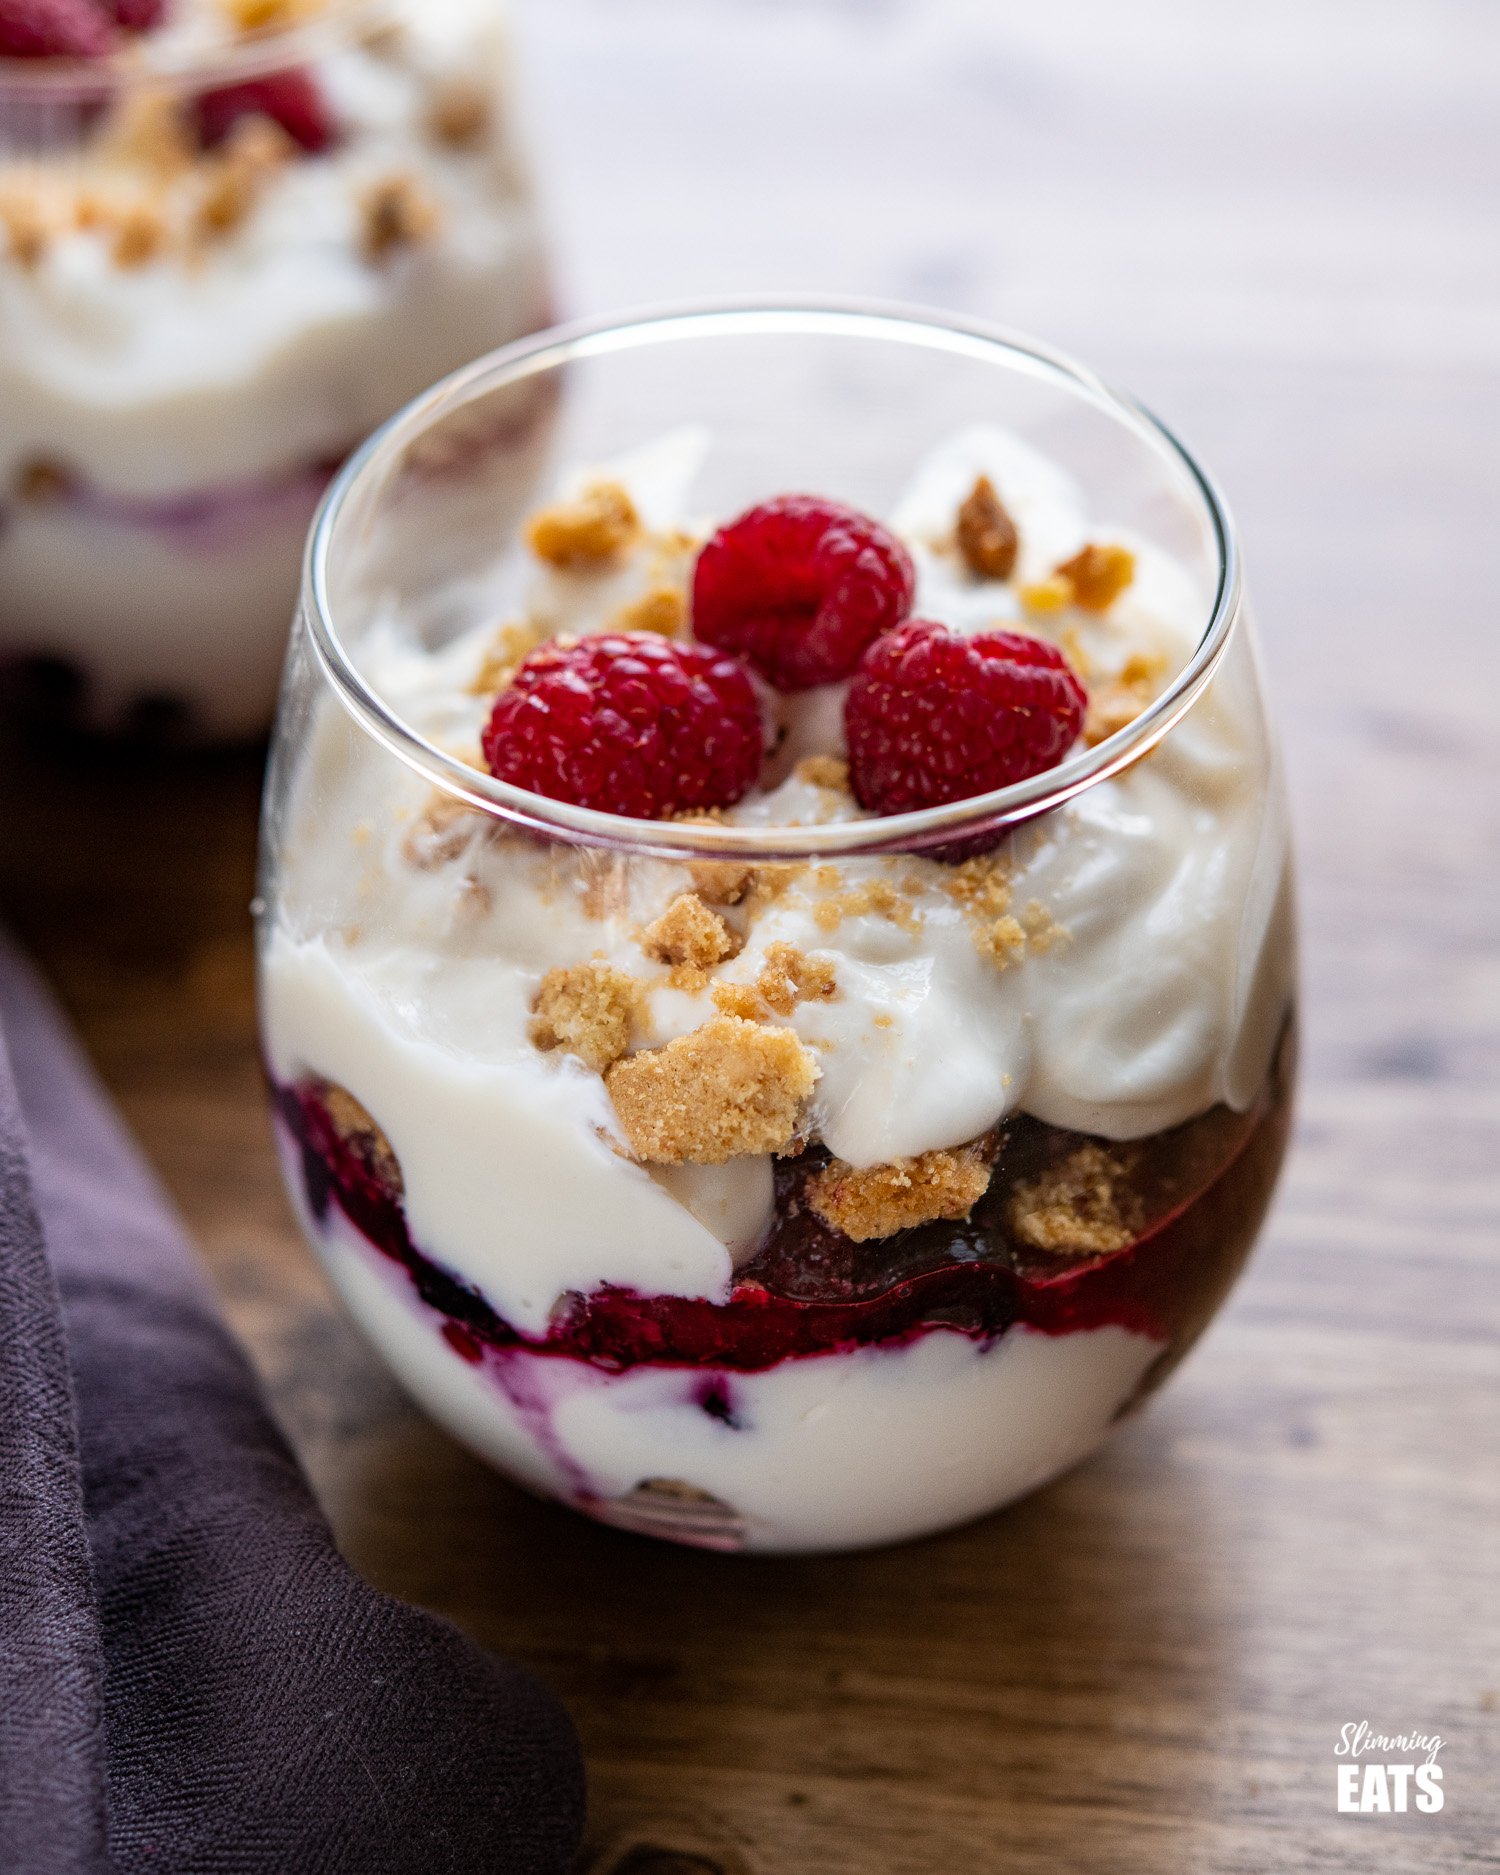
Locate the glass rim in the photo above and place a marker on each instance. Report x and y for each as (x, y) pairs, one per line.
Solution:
(954, 822)
(131, 68)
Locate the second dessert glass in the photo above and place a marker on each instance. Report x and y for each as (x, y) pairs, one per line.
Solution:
(788, 1178)
(230, 244)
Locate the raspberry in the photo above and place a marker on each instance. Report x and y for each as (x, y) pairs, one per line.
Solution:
(137, 16)
(629, 723)
(801, 587)
(54, 29)
(290, 99)
(932, 717)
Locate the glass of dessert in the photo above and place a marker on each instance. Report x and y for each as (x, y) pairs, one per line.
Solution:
(234, 236)
(776, 949)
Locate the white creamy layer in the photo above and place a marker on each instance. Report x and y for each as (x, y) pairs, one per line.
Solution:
(833, 1452)
(279, 343)
(1158, 996)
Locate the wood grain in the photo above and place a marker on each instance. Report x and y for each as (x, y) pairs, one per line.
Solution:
(1278, 224)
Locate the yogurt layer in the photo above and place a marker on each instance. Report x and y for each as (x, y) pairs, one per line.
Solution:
(1143, 977)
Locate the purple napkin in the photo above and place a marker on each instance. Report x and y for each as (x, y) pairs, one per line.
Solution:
(191, 1678)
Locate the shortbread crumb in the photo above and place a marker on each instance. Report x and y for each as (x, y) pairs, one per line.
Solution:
(689, 933)
(727, 1088)
(1003, 941)
(140, 236)
(1080, 1207)
(875, 895)
(459, 113)
(27, 230)
(354, 1124)
(504, 655)
(1045, 597)
(663, 610)
(824, 771)
(986, 534)
(1115, 704)
(739, 999)
(789, 976)
(882, 1199)
(1042, 929)
(235, 180)
(1098, 575)
(591, 1010)
(440, 832)
(397, 213)
(587, 533)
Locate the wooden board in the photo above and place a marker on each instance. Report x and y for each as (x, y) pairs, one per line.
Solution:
(1277, 223)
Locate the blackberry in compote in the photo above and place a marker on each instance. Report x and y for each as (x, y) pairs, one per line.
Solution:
(747, 1128)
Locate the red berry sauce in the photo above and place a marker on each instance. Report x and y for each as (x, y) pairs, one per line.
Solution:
(1203, 1188)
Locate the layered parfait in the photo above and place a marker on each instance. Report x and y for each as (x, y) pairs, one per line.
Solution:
(779, 1201)
(234, 236)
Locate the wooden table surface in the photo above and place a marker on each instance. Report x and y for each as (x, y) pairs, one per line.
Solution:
(1277, 224)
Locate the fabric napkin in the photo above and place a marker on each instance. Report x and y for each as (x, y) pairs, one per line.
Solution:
(191, 1678)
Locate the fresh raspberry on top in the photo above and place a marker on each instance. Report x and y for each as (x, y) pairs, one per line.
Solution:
(629, 723)
(291, 99)
(801, 587)
(932, 717)
(54, 29)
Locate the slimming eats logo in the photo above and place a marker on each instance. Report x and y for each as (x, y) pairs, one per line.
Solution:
(1370, 1789)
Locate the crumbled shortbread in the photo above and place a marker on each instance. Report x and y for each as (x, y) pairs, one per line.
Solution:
(1003, 941)
(789, 976)
(1044, 597)
(981, 886)
(591, 1010)
(503, 656)
(150, 130)
(28, 231)
(663, 610)
(139, 236)
(440, 832)
(236, 179)
(739, 999)
(986, 534)
(1115, 704)
(355, 1125)
(1097, 575)
(874, 895)
(1042, 929)
(882, 1199)
(42, 479)
(589, 532)
(727, 1088)
(397, 213)
(824, 771)
(460, 111)
(1081, 1206)
(271, 16)
(689, 933)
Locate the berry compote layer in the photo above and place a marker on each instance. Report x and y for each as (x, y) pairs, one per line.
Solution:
(779, 1203)
(211, 287)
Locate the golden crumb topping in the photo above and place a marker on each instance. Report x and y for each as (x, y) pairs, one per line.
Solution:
(739, 999)
(354, 1124)
(270, 16)
(1044, 598)
(663, 610)
(28, 231)
(140, 235)
(397, 213)
(1115, 704)
(789, 976)
(1041, 928)
(41, 479)
(591, 1010)
(986, 534)
(587, 533)
(689, 933)
(459, 113)
(235, 180)
(503, 656)
(1082, 1206)
(877, 896)
(440, 832)
(727, 1088)
(1003, 941)
(882, 1199)
(1098, 575)
(824, 771)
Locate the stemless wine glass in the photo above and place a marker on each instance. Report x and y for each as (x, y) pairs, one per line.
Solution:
(791, 1178)
(229, 246)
